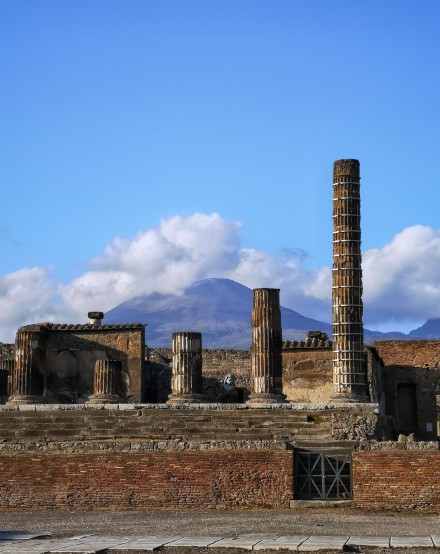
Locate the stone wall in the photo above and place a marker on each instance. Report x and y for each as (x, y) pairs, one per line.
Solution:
(151, 480)
(71, 353)
(411, 365)
(307, 373)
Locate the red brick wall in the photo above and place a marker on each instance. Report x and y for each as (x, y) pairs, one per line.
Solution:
(166, 480)
(397, 479)
(414, 353)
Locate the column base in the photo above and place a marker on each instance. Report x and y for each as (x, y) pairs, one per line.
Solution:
(266, 398)
(350, 398)
(17, 399)
(186, 399)
(105, 399)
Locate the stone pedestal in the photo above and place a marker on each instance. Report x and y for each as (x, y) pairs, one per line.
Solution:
(186, 380)
(29, 366)
(266, 359)
(107, 382)
(347, 310)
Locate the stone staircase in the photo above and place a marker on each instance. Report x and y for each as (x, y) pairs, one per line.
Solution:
(163, 423)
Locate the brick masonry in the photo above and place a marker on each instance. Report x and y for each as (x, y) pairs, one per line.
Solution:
(219, 479)
(415, 363)
(124, 481)
(397, 479)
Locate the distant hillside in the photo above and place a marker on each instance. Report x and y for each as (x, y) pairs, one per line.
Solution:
(429, 330)
(221, 310)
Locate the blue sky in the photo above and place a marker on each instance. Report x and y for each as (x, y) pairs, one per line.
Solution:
(117, 115)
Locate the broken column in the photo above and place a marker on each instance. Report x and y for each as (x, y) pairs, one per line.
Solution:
(266, 359)
(107, 382)
(29, 366)
(347, 309)
(186, 380)
(6, 368)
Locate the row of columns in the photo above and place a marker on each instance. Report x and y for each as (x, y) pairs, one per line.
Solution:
(186, 384)
(186, 381)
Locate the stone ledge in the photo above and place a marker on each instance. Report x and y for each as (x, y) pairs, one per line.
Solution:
(205, 406)
(67, 447)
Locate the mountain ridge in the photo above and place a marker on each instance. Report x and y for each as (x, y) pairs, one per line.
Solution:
(220, 309)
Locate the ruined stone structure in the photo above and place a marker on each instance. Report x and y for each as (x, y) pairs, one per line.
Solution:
(266, 347)
(186, 381)
(89, 425)
(348, 338)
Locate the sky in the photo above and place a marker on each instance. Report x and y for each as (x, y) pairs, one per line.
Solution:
(146, 144)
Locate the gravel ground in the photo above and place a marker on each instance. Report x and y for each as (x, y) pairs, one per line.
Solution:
(308, 521)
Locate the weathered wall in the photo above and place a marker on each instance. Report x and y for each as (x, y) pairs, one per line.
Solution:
(397, 479)
(411, 364)
(133, 481)
(307, 373)
(71, 353)
(413, 353)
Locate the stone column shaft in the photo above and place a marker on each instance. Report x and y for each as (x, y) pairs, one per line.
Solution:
(6, 369)
(186, 380)
(266, 347)
(28, 372)
(347, 307)
(107, 382)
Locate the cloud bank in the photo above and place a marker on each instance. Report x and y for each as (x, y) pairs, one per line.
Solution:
(401, 279)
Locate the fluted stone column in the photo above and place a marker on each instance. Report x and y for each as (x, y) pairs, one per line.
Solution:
(347, 308)
(107, 382)
(266, 359)
(186, 380)
(29, 366)
(6, 369)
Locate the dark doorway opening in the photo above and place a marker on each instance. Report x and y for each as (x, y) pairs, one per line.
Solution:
(407, 408)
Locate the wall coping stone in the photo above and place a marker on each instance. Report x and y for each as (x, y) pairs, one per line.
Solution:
(390, 446)
(80, 327)
(346, 406)
(139, 446)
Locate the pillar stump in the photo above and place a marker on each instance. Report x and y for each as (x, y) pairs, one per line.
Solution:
(6, 369)
(107, 382)
(347, 307)
(267, 386)
(29, 366)
(186, 380)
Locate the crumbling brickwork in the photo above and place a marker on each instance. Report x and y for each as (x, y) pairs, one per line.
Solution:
(133, 481)
(397, 479)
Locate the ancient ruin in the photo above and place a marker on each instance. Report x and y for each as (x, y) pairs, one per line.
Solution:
(93, 418)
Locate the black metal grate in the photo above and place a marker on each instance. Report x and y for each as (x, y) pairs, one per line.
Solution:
(321, 476)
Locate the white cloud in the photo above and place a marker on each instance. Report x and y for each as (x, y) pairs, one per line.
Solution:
(26, 296)
(171, 257)
(401, 280)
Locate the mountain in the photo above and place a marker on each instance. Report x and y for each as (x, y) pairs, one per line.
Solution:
(219, 308)
(429, 330)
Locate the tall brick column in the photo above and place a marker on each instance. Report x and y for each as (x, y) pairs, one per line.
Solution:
(29, 367)
(186, 380)
(266, 359)
(347, 309)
